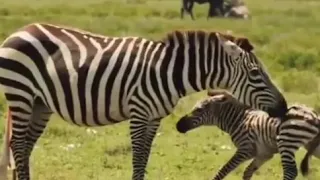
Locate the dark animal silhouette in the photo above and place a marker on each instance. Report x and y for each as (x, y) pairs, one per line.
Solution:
(215, 7)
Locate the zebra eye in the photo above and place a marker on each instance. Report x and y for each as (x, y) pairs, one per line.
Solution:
(254, 72)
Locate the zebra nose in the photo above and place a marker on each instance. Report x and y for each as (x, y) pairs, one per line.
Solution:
(279, 111)
(282, 108)
(183, 125)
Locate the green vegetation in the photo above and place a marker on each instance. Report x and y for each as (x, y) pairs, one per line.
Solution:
(284, 32)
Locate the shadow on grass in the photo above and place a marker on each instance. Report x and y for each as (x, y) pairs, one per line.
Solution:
(119, 150)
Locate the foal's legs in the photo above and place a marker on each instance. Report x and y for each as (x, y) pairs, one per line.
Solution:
(255, 165)
(238, 158)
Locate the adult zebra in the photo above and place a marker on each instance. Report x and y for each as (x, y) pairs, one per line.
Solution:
(215, 7)
(94, 80)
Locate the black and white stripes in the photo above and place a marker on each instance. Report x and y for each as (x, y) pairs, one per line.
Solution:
(95, 80)
(255, 134)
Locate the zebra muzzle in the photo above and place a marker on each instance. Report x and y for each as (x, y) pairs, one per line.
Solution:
(184, 124)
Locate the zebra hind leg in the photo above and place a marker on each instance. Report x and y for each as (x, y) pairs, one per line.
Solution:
(255, 165)
(287, 153)
(21, 114)
(142, 135)
(27, 126)
(38, 123)
(238, 158)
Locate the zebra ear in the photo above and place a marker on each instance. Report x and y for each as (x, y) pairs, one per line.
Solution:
(230, 47)
(245, 44)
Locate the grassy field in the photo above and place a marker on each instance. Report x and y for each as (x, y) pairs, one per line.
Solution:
(286, 35)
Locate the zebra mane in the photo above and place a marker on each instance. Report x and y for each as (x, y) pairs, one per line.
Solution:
(242, 42)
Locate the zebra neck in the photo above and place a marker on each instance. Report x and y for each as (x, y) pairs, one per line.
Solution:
(188, 73)
(231, 118)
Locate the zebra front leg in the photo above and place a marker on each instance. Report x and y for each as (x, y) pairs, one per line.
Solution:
(190, 10)
(181, 13)
(255, 165)
(142, 135)
(238, 158)
(183, 8)
(210, 11)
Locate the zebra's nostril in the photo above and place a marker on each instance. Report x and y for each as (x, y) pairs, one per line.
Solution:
(183, 125)
(277, 112)
(282, 108)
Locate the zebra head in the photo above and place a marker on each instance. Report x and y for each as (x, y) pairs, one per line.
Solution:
(248, 80)
(221, 105)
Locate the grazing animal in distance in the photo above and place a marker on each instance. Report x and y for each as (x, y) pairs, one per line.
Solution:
(95, 80)
(215, 7)
(255, 134)
(237, 10)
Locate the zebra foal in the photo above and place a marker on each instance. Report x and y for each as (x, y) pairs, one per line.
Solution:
(94, 80)
(256, 135)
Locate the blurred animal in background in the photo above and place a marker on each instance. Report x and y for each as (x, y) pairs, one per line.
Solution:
(236, 9)
(215, 7)
(218, 8)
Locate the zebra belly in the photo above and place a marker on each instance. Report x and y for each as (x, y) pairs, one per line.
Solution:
(87, 105)
(265, 150)
(92, 122)
(92, 119)
(265, 146)
(102, 115)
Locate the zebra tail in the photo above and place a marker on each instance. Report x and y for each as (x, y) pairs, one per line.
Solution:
(304, 166)
(7, 157)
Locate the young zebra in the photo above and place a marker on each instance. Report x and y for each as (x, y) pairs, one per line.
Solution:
(95, 80)
(255, 134)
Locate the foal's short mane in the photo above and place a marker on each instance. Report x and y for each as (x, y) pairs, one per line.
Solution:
(228, 95)
(216, 92)
(242, 42)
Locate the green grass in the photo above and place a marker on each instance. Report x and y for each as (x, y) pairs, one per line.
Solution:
(284, 32)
